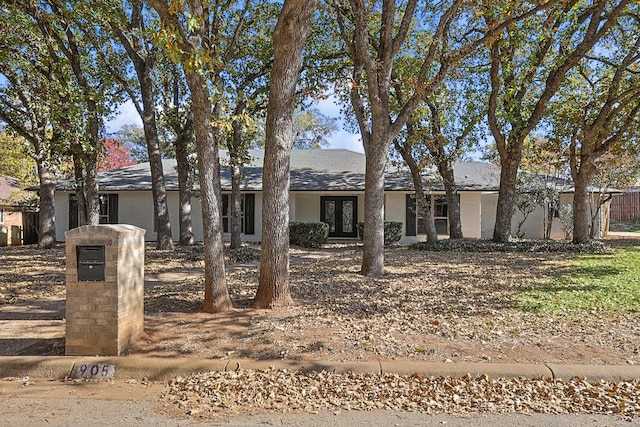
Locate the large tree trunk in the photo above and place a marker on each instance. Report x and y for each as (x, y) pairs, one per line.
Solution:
(47, 225)
(373, 241)
(288, 38)
(160, 209)
(87, 195)
(581, 217)
(184, 191)
(216, 294)
(506, 197)
(446, 169)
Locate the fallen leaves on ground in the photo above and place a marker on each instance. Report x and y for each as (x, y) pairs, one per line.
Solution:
(429, 306)
(231, 393)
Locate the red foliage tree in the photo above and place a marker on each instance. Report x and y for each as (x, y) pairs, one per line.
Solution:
(116, 155)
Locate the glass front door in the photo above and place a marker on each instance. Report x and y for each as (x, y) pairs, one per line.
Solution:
(341, 213)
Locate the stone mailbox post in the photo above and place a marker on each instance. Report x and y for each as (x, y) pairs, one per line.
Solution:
(105, 289)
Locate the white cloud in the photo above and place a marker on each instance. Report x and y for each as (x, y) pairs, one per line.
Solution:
(340, 139)
(127, 115)
(345, 140)
(329, 106)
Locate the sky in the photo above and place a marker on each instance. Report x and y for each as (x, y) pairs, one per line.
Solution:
(341, 139)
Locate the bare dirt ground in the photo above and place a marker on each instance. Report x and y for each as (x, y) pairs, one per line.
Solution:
(440, 306)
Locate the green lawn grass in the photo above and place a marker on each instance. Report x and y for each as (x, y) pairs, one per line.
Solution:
(595, 283)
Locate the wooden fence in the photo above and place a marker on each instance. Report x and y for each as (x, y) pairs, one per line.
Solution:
(625, 207)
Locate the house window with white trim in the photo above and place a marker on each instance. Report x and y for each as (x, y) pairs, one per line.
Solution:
(439, 210)
(2, 218)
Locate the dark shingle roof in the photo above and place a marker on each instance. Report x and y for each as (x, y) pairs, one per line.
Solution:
(311, 170)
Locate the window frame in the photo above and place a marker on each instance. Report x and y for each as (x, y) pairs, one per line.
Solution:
(438, 203)
(246, 217)
(108, 204)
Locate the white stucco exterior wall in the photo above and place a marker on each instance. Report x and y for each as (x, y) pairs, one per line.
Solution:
(395, 205)
(471, 211)
(477, 214)
(304, 207)
(489, 204)
(62, 214)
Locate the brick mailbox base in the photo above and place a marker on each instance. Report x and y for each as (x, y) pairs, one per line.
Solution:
(105, 302)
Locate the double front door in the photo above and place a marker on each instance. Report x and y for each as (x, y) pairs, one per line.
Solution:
(341, 213)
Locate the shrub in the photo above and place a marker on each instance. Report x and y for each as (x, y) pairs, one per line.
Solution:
(484, 245)
(392, 231)
(308, 234)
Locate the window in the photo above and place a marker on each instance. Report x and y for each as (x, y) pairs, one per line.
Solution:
(2, 219)
(247, 207)
(108, 209)
(439, 210)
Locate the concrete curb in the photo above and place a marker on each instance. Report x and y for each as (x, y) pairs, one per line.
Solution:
(163, 369)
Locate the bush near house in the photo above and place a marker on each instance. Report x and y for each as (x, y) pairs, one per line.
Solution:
(515, 245)
(392, 231)
(308, 234)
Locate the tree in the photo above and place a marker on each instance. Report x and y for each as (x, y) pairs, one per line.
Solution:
(414, 154)
(127, 21)
(375, 35)
(311, 127)
(133, 137)
(442, 129)
(597, 112)
(116, 155)
(542, 48)
(28, 106)
(547, 161)
(16, 161)
(533, 191)
(246, 77)
(85, 94)
(190, 36)
(289, 38)
(176, 119)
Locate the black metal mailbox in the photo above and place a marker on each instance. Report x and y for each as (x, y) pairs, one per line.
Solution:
(91, 262)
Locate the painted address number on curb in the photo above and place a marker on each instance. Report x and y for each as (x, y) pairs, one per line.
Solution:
(95, 370)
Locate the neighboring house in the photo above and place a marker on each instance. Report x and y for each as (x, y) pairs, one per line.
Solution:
(326, 185)
(10, 218)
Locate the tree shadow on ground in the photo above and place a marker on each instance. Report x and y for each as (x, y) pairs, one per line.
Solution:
(47, 309)
(474, 284)
(43, 347)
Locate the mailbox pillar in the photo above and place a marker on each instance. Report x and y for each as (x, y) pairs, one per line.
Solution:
(105, 289)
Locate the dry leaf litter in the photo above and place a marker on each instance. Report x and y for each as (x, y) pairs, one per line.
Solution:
(220, 394)
(429, 306)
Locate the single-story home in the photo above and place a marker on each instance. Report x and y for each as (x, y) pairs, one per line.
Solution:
(326, 185)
